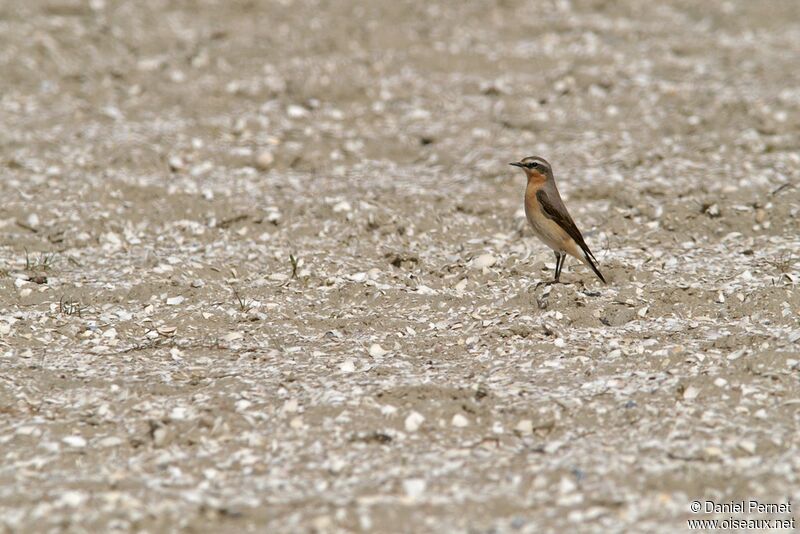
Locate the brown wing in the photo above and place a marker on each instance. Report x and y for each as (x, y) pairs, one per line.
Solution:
(555, 210)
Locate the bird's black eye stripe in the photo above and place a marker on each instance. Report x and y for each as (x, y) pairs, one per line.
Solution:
(533, 164)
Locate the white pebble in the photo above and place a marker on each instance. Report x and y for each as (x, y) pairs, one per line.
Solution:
(342, 206)
(264, 160)
(691, 393)
(290, 406)
(72, 499)
(567, 485)
(176, 163)
(111, 333)
(110, 441)
(483, 261)
(232, 336)
(357, 277)
(376, 351)
(74, 441)
(179, 413)
(414, 487)
(295, 112)
(459, 421)
(747, 446)
(524, 427)
(414, 421)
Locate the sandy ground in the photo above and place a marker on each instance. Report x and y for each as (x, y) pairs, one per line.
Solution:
(265, 266)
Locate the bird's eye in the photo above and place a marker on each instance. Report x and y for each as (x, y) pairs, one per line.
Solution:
(533, 164)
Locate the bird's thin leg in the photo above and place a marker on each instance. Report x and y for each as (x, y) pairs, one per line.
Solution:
(559, 264)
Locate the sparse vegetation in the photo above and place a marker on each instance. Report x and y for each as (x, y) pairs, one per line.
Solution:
(43, 261)
(783, 263)
(243, 303)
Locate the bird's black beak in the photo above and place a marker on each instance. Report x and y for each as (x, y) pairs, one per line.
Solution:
(517, 164)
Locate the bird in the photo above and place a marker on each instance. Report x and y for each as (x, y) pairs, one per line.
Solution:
(549, 218)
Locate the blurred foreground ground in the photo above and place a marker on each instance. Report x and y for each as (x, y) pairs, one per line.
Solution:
(278, 276)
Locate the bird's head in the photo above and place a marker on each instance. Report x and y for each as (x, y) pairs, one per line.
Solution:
(535, 168)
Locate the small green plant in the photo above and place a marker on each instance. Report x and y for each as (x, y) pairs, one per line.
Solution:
(294, 265)
(244, 304)
(783, 263)
(43, 262)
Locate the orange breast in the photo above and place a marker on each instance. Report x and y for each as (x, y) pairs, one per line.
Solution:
(545, 228)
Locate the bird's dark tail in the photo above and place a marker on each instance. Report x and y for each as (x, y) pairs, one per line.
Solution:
(590, 261)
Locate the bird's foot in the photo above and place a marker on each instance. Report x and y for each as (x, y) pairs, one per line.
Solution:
(550, 283)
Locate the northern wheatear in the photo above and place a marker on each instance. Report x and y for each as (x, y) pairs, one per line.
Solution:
(549, 217)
